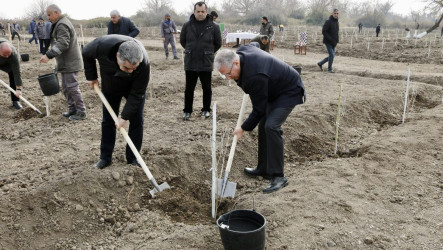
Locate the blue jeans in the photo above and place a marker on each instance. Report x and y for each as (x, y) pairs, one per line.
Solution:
(330, 58)
(33, 38)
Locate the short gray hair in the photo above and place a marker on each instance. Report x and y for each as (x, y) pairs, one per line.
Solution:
(54, 7)
(114, 13)
(130, 51)
(225, 58)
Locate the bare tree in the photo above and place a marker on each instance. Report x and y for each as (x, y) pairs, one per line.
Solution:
(38, 9)
(385, 7)
(157, 6)
(244, 6)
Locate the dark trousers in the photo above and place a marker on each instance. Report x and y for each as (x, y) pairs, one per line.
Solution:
(270, 141)
(330, 57)
(33, 38)
(109, 131)
(376, 34)
(13, 35)
(44, 45)
(191, 82)
(12, 85)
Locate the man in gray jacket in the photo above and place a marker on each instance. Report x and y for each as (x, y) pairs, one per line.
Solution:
(168, 29)
(69, 61)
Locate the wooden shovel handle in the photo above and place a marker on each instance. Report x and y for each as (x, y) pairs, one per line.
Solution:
(21, 97)
(123, 132)
(234, 140)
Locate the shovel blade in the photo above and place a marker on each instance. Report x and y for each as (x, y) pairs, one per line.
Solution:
(229, 189)
(161, 187)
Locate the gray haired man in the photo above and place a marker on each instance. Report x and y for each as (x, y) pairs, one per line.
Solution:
(124, 71)
(168, 29)
(66, 52)
(122, 25)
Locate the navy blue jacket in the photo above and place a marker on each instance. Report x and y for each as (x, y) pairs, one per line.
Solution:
(330, 31)
(200, 48)
(104, 50)
(126, 27)
(270, 83)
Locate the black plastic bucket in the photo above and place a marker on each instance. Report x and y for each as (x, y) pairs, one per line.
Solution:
(25, 57)
(49, 84)
(242, 230)
(298, 68)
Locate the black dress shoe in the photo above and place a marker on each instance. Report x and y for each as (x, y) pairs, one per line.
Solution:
(17, 105)
(256, 172)
(68, 114)
(101, 164)
(277, 183)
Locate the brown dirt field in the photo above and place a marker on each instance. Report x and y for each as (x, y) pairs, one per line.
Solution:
(383, 190)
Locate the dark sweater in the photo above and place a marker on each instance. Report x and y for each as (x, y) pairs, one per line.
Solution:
(330, 31)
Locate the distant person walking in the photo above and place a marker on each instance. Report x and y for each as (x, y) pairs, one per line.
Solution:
(31, 31)
(66, 52)
(360, 27)
(10, 63)
(330, 39)
(377, 30)
(122, 25)
(15, 30)
(167, 30)
(201, 38)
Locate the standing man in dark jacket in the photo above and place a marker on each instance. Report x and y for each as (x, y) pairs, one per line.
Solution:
(377, 30)
(167, 30)
(121, 25)
(201, 38)
(124, 70)
(10, 63)
(330, 39)
(275, 88)
(67, 54)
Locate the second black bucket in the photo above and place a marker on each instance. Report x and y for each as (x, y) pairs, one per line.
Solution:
(242, 230)
(298, 68)
(25, 57)
(49, 84)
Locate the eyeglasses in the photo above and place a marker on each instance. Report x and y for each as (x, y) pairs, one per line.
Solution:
(229, 74)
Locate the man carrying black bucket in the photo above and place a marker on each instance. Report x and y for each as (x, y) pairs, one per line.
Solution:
(275, 88)
(124, 70)
(10, 63)
(66, 51)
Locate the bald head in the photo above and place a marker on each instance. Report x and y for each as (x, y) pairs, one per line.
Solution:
(5, 50)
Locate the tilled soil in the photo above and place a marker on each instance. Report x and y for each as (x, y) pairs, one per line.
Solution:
(382, 189)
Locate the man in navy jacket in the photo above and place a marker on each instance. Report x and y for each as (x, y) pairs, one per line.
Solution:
(275, 89)
(122, 25)
(330, 39)
(124, 71)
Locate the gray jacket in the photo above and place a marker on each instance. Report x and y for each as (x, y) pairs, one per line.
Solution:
(166, 29)
(64, 46)
(267, 29)
(11, 64)
(40, 30)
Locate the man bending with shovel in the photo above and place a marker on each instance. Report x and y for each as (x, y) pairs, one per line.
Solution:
(124, 70)
(275, 89)
(10, 63)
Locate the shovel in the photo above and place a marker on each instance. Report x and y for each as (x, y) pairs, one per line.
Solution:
(227, 188)
(157, 188)
(21, 97)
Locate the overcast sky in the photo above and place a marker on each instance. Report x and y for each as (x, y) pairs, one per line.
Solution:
(87, 9)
